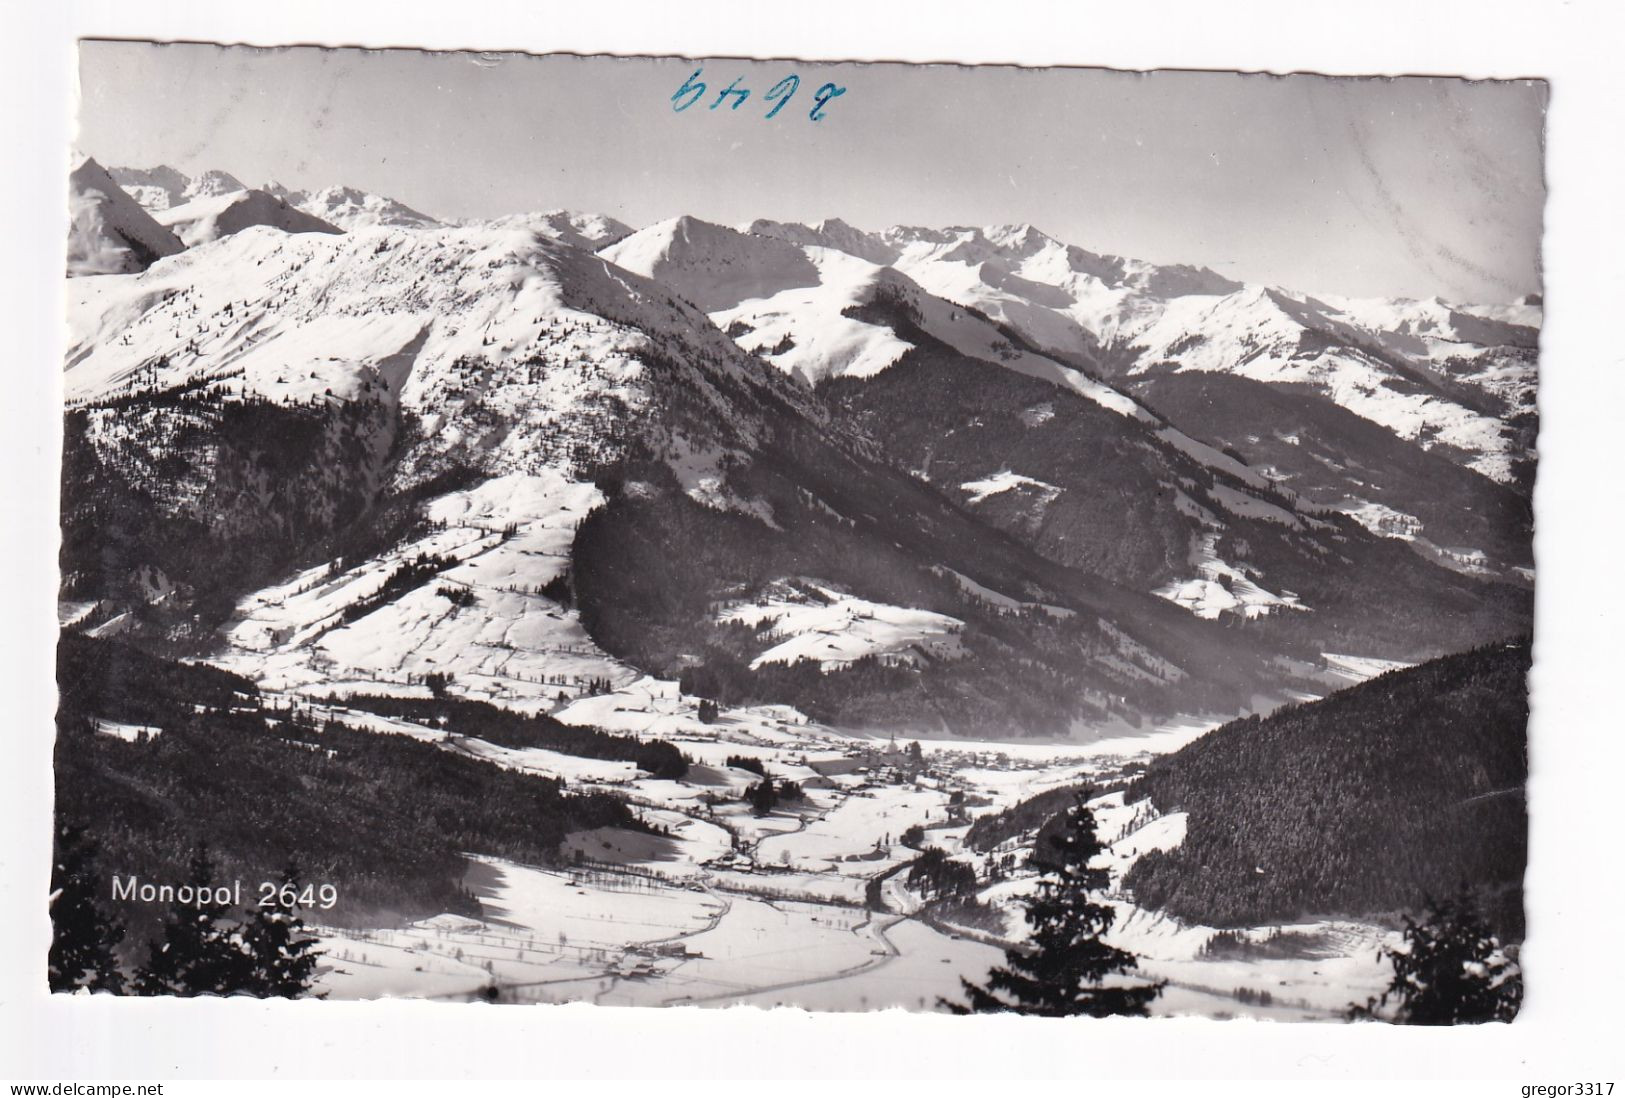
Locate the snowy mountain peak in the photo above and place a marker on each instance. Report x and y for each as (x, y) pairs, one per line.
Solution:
(154, 188)
(1430, 370)
(351, 208)
(163, 188)
(689, 230)
(590, 231)
(711, 265)
(233, 311)
(921, 234)
(829, 233)
(214, 182)
(836, 226)
(1022, 239)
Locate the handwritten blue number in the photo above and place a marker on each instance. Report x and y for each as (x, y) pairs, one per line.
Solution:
(689, 85)
(822, 96)
(732, 89)
(783, 97)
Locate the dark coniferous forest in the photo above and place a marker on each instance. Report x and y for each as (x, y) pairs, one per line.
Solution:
(1371, 801)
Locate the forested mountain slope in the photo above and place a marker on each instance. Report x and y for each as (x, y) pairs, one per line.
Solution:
(1369, 801)
(386, 819)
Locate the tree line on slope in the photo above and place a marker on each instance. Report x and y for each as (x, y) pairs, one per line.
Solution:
(1030, 815)
(504, 727)
(1451, 967)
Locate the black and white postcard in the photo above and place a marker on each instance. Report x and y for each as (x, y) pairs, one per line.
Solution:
(668, 531)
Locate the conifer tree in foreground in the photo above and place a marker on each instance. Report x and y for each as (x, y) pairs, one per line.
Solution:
(83, 934)
(1451, 970)
(283, 955)
(201, 952)
(1064, 967)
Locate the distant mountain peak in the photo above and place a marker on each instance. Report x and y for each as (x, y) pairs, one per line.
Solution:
(163, 188)
(154, 189)
(580, 229)
(214, 182)
(1023, 238)
(831, 232)
(353, 208)
(712, 265)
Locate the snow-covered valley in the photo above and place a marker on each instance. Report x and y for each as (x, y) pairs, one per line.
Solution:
(807, 907)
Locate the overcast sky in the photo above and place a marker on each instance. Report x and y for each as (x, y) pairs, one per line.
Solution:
(1415, 187)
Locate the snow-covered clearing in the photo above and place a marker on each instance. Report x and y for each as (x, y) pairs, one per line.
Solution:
(1382, 520)
(1006, 481)
(863, 822)
(1353, 669)
(131, 732)
(812, 622)
(653, 708)
(1221, 588)
(1248, 506)
(927, 966)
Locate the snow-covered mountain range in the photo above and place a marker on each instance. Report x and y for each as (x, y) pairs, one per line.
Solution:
(163, 188)
(1443, 375)
(1425, 385)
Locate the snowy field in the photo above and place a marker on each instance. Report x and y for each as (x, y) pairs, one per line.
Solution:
(566, 937)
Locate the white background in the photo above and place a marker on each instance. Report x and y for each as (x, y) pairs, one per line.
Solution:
(1570, 1029)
